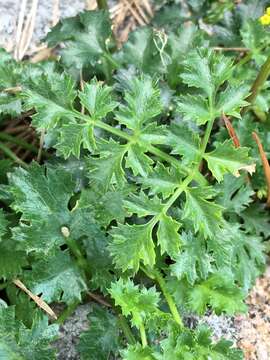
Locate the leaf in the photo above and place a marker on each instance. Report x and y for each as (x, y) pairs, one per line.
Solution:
(3, 224)
(163, 180)
(193, 262)
(102, 337)
(87, 38)
(49, 278)
(256, 219)
(12, 260)
(235, 194)
(97, 99)
(18, 342)
(142, 205)
(52, 96)
(183, 141)
(168, 237)
(135, 352)
(232, 100)
(228, 159)
(219, 292)
(107, 168)
(138, 161)
(194, 108)
(139, 303)
(205, 215)
(132, 244)
(143, 103)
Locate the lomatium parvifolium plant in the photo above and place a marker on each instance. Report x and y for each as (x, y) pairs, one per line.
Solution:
(153, 194)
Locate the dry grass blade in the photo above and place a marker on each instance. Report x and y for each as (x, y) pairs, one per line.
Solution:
(265, 163)
(231, 131)
(40, 303)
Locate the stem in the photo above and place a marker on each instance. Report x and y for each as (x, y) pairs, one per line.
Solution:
(126, 329)
(75, 250)
(12, 156)
(18, 141)
(143, 335)
(259, 82)
(155, 275)
(102, 4)
(67, 312)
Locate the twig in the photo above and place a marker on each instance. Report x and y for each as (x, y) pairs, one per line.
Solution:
(98, 299)
(11, 155)
(19, 28)
(265, 163)
(40, 303)
(82, 88)
(134, 13)
(240, 49)
(41, 143)
(141, 12)
(231, 131)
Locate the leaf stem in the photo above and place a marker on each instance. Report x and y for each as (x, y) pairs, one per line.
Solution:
(143, 335)
(126, 329)
(259, 81)
(12, 156)
(67, 312)
(102, 4)
(155, 275)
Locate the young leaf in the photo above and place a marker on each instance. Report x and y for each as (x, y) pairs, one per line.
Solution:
(135, 352)
(138, 161)
(168, 237)
(194, 108)
(162, 180)
(132, 244)
(219, 292)
(18, 342)
(142, 205)
(183, 142)
(193, 261)
(143, 103)
(139, 303)
(97, 99)
(232, 100)
(205, 215)
(226, 158)
(52, 96)
(102, 337)
(107, 168)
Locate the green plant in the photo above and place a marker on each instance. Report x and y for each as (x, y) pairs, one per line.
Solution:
(148, 201)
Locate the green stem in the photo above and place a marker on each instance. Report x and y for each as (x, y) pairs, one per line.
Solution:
(143, 335)
(18, 141)
(126, 329)
(67, 312)
(75, 250)
(12, 156)
(102, 4)
(155, 275)
(259, 82)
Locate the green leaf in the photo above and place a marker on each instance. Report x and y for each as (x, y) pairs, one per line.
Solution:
(194, 262)
(49, 277)
(228, 159)
(163, 180)
(132, 244)
(135, 352)
(168, 237)
(142, 205)
(206, 216)
(138, 161)
(194, 108)
(12, 260)
(256, 219)
(97, 99)
(143, 103)
(102, 337)
(52, 96)
(87, 38)
(138, 302)
(3, 224)
(219, 292)
(183, 142)
(232, 100)
(107, 169)
(19, 343)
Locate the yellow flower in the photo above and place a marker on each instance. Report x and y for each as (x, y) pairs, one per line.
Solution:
(268, 11)
(265, 19)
